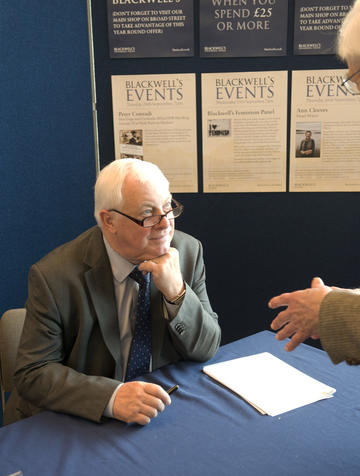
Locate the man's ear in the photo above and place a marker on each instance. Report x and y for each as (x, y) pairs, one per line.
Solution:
(107, 221)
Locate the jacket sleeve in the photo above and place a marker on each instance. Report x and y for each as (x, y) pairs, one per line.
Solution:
(195, 331)
(339, 322)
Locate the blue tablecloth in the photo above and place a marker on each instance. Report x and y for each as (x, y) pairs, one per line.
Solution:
(207, 430)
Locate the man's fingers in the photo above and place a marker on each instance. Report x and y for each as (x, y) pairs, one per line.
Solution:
(151, 264)
(296, 339)
(139, 402)
(279, 301)
(149, 411)
(141, 420)
(280, 320)
(157, 392)
(146, 267)
(287, 331)
(317, 282)
(154, 402)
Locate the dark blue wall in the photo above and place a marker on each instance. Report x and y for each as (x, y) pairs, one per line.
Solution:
(47, 153)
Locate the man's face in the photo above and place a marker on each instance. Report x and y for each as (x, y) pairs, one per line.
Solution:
(308, 135)
(136, 243)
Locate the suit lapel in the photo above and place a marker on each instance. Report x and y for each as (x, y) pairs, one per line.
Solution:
(100, 284)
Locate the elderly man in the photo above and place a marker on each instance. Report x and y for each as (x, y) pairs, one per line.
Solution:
(321, 311)
(95, 321)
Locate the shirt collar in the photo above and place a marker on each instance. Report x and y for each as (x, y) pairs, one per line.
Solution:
(120, 267)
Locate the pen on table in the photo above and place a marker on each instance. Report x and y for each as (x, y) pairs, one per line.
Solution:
(172, 389)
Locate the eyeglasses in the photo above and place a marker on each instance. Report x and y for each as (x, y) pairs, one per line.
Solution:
(153, 220)
(351, 86)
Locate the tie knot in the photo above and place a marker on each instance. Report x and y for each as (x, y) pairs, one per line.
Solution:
(139, 277)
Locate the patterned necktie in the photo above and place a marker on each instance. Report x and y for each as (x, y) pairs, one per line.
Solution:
(140, 353)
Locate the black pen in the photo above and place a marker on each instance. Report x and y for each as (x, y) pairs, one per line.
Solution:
(172, 389)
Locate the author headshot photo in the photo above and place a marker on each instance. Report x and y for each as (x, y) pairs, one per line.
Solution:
(307, 140)
(307, 145)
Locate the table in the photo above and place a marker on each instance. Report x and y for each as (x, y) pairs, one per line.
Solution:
(207, 430)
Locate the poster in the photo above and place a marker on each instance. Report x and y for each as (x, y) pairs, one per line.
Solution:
(244, 118)
(155, 119)
(155, 28)
(325, 133)
(316, 25)
(243, 27)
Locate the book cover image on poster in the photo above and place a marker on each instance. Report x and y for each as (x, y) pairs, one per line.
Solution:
(131, 144)
(240, 28)
(219, 127)
(150, 29)
(317, 24)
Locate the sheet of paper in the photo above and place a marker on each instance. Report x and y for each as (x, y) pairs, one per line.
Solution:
(269, 384)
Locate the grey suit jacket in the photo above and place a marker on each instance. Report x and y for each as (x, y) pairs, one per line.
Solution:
(69, 356)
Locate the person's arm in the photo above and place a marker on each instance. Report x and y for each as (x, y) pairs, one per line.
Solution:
(302, 147)
(194, 330)
(339, 326)
(46, 381)
(334, 317)
(300, 318)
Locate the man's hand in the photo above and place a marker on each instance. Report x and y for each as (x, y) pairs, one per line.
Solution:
(300, 319)
(166, 273)
(139, 402)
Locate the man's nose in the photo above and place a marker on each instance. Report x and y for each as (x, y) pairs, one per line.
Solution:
(164, 222)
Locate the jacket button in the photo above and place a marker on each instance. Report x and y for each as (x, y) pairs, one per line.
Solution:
(180, 329)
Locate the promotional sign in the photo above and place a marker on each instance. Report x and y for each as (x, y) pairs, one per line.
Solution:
(325, 133)
(316, 25)
(155, 28)
(244, 131)
(243, 27)
(155, 120)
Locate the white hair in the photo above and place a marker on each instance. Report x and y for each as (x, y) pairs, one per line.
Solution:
(348, 44)
(108, 187)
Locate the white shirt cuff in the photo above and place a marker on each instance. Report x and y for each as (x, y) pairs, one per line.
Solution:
(108, 412)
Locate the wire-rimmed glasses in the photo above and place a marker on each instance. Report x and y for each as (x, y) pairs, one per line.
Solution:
(175, 211)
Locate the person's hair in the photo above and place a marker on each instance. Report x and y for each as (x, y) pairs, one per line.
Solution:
(307, 132)
(348, 42)
(108, 187)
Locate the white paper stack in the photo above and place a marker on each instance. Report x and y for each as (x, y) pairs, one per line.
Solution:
(269, 384)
